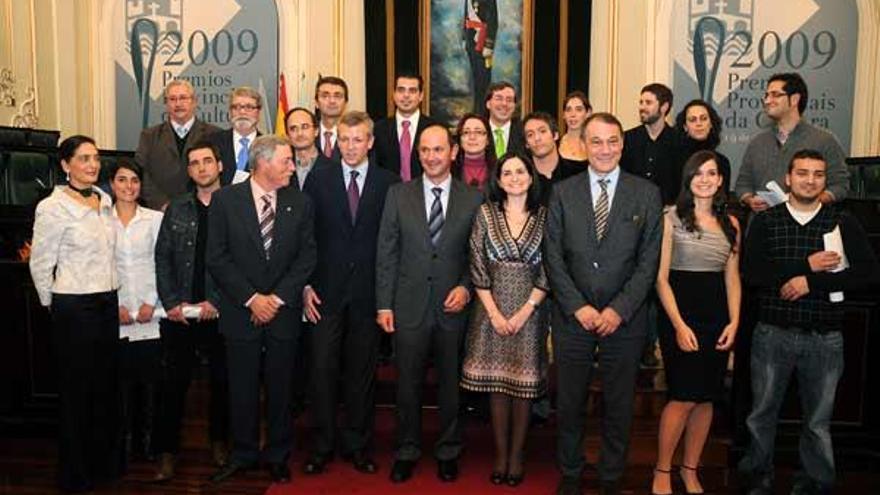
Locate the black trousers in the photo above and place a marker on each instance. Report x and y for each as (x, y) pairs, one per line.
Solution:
(413, 346)
(86, 340)
(573, 349)
(180, 344)
(140, 373)
(350, 340)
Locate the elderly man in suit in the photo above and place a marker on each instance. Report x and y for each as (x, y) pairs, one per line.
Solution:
(161, 151)
(340, 301)
(261, 253)
(422, 288)
(245, 104)
(396, 136)
(601, 250)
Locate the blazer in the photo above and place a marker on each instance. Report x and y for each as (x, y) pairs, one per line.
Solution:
(412, 275)
(236, 259)
(336, 155)
(165, 174)
(346, 265)
(386, 147)
(223, 141)
(620, 270)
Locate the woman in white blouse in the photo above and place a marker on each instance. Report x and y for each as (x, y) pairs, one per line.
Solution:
(137, 229)
(73, 268)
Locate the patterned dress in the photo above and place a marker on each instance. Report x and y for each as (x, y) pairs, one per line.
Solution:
(510, 268)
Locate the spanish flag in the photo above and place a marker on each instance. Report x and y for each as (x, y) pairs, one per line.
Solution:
(282, 108)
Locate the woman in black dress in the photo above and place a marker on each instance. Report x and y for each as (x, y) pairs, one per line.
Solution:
(698, 284)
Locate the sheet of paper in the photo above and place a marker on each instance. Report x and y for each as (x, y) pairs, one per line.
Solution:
(191, 311)
(834, 242)
(240, 176)
(774, 194)
(140, 331)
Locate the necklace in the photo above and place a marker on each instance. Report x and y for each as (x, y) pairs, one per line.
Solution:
(85, 192)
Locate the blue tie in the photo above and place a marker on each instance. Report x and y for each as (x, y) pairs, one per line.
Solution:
(241, 161)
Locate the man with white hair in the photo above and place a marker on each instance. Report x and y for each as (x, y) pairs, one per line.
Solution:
(245, 105)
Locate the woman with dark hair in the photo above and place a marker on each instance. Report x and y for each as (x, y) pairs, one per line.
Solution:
(576, 109)
(505, 348)
(700, 127)
(698, 284)
(73, 268)
(475, 160)
(137, 229)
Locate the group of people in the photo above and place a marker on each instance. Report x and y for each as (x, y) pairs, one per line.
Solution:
(259, 252)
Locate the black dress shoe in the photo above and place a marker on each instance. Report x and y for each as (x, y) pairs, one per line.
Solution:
(228, 471)
(279, 472)
(569, 486)
(497, 478)
(361, 462)
(317, 463)
(447, 470)
(514, 480)
(402, 470)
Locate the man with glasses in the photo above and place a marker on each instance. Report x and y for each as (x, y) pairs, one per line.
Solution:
(507, 132)
(162, 149)
(234, 143)
(302, 132)
(331, 98)
(770, 151)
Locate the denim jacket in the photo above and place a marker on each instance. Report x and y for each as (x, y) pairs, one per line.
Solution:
(176, 254)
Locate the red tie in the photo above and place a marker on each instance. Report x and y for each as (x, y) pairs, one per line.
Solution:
(328, 146)
(405, 152)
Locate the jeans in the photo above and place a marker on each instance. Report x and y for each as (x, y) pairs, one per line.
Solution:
(816, 359)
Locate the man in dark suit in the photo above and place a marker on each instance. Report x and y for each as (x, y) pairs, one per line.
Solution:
(396, 136)
(331, 98)
(601, 248)
(478, 40)
(161, 151)
(261, 252)
(302, 132)
(422, 288)
(506, 132)
(340, 300)
(245, 104)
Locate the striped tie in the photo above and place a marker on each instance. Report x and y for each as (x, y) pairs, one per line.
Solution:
(435, 219)
(267, 221)
(600, 211)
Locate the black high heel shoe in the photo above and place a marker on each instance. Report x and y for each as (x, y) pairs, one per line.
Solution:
(497, 478)
(662, 471)
(694, 470)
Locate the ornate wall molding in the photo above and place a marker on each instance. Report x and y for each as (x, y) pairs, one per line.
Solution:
(7, 88)
(27, 112)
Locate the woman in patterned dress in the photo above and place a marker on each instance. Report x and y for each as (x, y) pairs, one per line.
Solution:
(505, 348)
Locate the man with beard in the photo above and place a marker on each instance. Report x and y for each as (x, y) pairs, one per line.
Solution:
(331, 98)
(541, 138)
(397, 135)
(800, 280)
(651, 150)
(302, 132)
(234, 143)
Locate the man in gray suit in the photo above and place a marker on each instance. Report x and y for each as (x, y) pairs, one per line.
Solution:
(601, 249)
(162, 149)
(422, 288)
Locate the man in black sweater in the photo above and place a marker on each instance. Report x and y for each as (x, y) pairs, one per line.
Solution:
(801, 279)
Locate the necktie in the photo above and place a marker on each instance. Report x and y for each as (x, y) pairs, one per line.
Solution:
(405, 152)
(500, 145)
(435, 219)
(328, 146)
(354, 195)
(241, 161)
(600, 211)
(267, 221)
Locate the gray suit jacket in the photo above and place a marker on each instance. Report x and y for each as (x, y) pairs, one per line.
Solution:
(412, 276)
(165, 175)
(617, 272)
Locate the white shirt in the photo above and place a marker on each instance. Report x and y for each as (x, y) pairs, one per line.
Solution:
(802, 217)
(332, 138)
(414, 124)
(505, 131)
(429, 186)
(135, 262)
(73, 249)
(183, 129)
(596, 189)
(361, 178)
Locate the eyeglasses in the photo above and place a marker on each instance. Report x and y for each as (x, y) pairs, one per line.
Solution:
(175, 99)
(249, 107)
(474, 132)
(775, 94)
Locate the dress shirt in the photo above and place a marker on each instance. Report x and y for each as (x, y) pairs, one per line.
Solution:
(258, 193)
(303, 167)
(414, 124)
(183, 129)
(505, 131)
(236, 145)
(75, 242)
(429, 186)
(659, 160)
(332, 138)
(596, 189)
(135, 262)
(362, 174)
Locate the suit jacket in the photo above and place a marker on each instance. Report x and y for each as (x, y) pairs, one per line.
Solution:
(236, 259)
(620, 270)
(386, 147)
(165, 174)
(412, 276)
(223, 141)
(336, 155)
(346, 267)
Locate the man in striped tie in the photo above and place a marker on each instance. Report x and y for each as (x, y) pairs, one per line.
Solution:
(422, 290)
(261, 252)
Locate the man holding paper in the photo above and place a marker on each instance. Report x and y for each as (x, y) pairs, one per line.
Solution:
(799, 254)
(762, 173)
